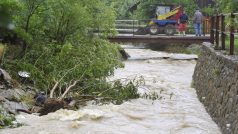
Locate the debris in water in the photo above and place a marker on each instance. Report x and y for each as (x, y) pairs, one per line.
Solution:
(171, 95)
(124, 54)
(24, 74)
(51, 105)
(40, 98)
(228, 125)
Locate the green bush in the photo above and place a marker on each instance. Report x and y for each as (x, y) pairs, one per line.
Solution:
(93, 59)
(115, 92)
(5, 118)
(61, 47)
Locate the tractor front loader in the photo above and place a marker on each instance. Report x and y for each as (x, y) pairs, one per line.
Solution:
(165, 21)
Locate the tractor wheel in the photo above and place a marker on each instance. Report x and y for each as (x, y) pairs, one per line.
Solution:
(169, 29)
(154, 29)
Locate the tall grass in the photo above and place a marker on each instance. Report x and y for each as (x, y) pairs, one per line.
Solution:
(2, 50)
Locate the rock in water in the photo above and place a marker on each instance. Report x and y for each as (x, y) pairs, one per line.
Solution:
(13, 107)
(124, 54)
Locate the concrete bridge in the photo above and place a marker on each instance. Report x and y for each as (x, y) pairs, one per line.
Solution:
(188, 39)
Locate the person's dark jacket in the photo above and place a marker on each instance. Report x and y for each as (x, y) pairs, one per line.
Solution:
(183, 18)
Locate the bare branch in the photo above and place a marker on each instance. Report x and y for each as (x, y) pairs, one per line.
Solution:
(68, 88)
(53, 89)
(57, 82)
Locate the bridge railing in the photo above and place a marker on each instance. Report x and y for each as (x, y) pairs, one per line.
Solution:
(132, 26)
(219, 33)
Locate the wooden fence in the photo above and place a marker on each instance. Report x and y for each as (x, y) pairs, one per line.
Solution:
(219, 33)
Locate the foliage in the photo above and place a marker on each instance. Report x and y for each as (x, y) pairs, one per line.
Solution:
(208, 11)
(226, 6)
(63, 20)
(117, 91)
(146, 8)
(227, 45)
(152, 96)
(61, 48)
(5, 118)
(92, 60)
(7, 9)
(27, 99)
(60, 43)
(122, 93)
(121, 7)
(189, 6)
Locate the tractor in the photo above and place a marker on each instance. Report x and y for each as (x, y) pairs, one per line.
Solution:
(165, 21)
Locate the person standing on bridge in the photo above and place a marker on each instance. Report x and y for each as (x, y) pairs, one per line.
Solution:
(197, 20)
(183, 20)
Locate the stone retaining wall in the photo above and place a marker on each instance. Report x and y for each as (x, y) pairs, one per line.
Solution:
(216, 82)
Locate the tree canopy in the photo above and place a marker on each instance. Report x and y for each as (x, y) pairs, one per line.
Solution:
(59, 40)
(146, 8)
(226, 6)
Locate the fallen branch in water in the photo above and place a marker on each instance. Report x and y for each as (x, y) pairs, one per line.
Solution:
(53, 89)
(115, 92)
(68, 88)
(58, 82)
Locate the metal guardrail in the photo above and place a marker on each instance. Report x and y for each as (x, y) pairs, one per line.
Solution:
(133, 25)
(218, 32)
(130, 26)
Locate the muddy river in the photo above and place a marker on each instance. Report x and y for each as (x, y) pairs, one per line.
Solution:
(177, 111)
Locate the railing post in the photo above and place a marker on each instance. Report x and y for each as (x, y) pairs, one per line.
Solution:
(212, 30)
(133, 26)
(217, 31)
(232, 37)
(223, 35)
(204, 27)
(207, 26)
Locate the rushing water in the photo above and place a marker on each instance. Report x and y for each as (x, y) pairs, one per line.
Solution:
(178, 111)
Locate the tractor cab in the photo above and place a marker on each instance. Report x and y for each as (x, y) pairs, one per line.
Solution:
(162, 10)
(165, 21)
